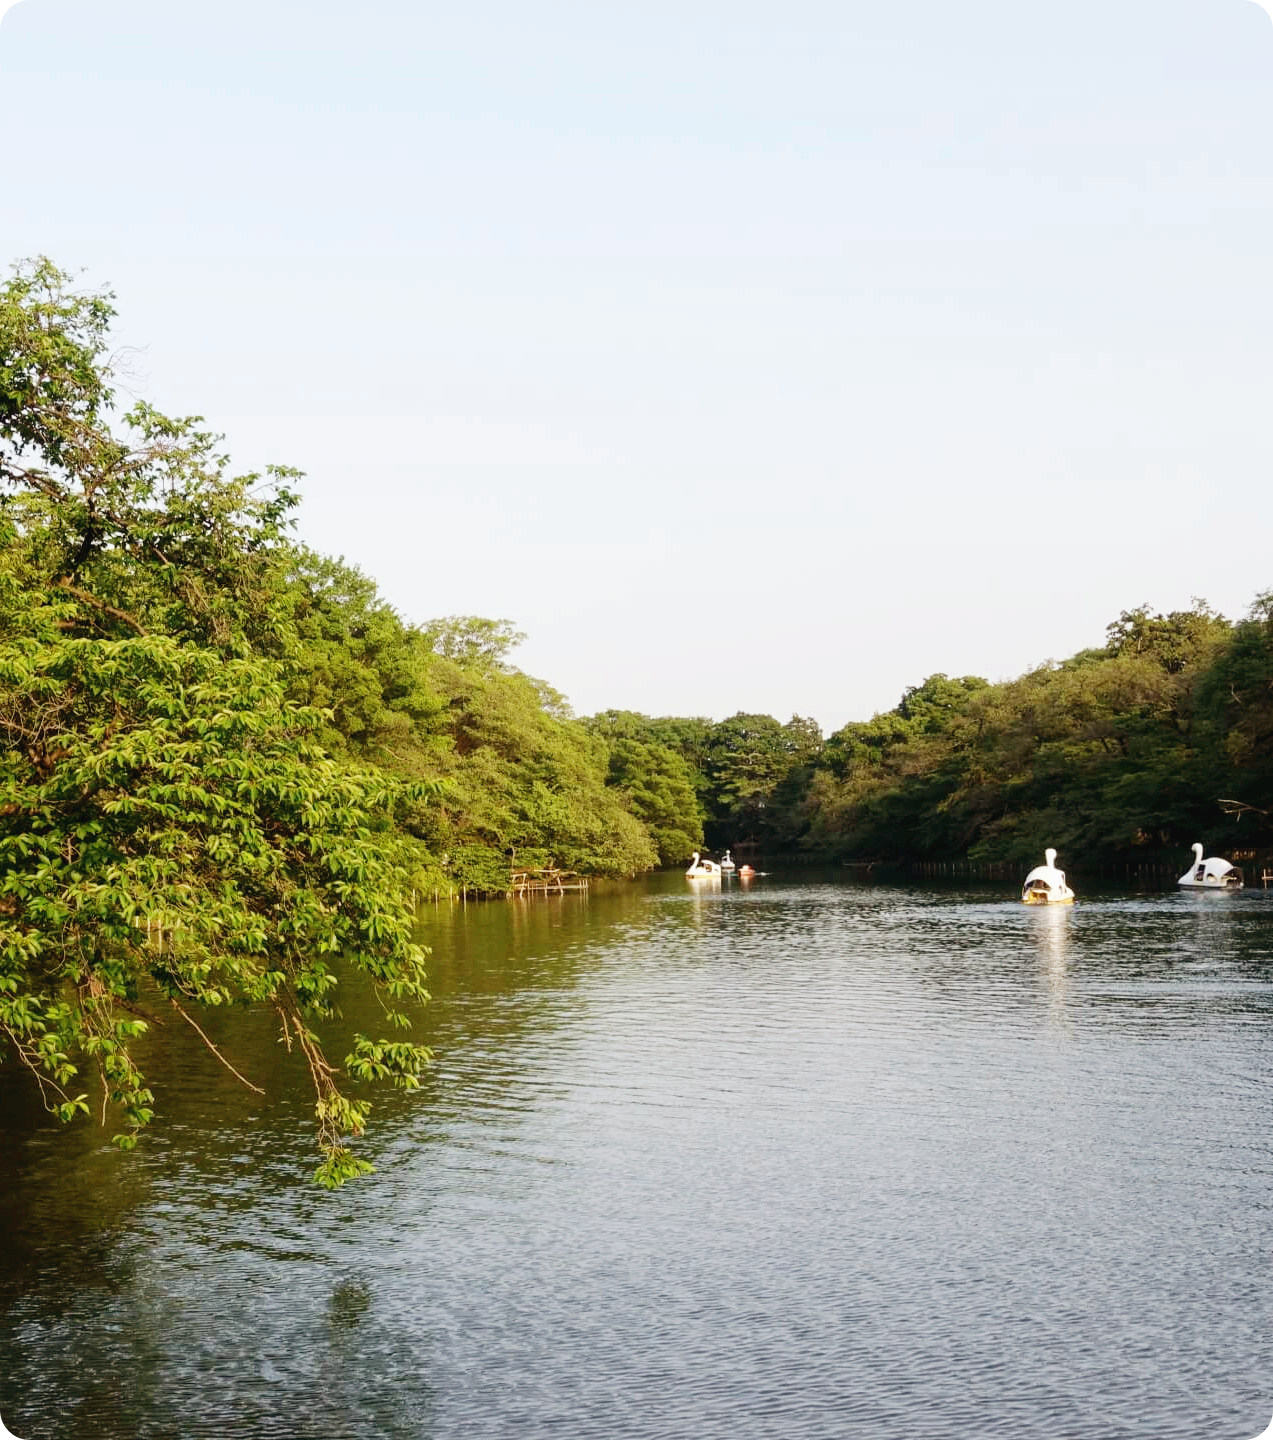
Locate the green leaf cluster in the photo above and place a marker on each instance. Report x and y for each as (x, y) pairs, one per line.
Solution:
(509, 770)
(727, 783)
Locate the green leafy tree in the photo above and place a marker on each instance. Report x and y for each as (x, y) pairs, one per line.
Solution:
(473, 642)
(689, 737)
(757, 771)
(135, 516)
(520, 775)
(1106, 753)
(173, 834)
(656, 784)
(516, 777)
(1235, 713)
(357, 660)
(1177, 641)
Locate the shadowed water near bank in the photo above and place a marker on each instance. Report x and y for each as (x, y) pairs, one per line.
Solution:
(812, 1158)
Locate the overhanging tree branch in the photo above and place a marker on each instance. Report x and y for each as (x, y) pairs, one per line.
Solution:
(1238, 808)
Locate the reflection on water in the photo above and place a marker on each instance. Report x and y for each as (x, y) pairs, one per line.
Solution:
(1051, 926)
(802, 1158)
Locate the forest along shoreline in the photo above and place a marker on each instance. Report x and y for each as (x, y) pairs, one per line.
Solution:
(1120, 756)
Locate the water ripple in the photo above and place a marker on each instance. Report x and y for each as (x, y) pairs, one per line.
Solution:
(810, 1159)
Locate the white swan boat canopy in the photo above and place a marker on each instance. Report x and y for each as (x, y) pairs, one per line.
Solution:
(1210, 874)
(1045, 884)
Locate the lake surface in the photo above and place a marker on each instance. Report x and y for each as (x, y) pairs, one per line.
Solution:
(813, 1158)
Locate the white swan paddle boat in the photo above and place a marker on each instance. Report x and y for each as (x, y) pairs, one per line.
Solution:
(1045, 884)
(702, 869)
(726, 862)
(1210, 874)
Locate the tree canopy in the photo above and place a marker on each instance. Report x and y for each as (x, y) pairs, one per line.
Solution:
(172, 832)
(1119, 749)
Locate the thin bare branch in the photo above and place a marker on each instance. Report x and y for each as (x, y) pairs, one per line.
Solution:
(41, 1079)
(1240, 808)
(190, 1021)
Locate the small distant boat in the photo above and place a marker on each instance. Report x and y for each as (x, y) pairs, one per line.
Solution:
(745, 872)
(702, 869)
(1045, 884)
(1210, 874)
(726, 863)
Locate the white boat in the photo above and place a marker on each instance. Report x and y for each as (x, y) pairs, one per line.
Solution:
(1210, 874)
(1045, 884)
(726, 863)
(702, 869)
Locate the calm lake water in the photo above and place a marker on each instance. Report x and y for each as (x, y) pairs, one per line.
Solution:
(813, 1158)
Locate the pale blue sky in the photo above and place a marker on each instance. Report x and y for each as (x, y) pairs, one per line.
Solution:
(749, 356)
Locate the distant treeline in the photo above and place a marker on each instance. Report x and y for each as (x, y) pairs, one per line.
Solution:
(1155, 739)
(1147, 743)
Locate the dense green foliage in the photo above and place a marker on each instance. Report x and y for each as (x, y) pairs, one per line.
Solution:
(1155, 739)
(654, 779)
(1122, 749)
(170, 832)
(736, 782)
(518, 778)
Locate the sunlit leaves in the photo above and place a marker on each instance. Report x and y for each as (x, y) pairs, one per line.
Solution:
(173, 831)
(1116, 749)
(170, 827)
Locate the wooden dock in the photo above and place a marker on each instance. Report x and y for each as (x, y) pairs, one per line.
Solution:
(546, 880)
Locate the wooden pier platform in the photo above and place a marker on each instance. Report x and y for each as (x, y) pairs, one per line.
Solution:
(547, 880)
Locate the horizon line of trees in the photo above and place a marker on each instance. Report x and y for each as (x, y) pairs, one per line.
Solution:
(1156, 739)
(1147, 743)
